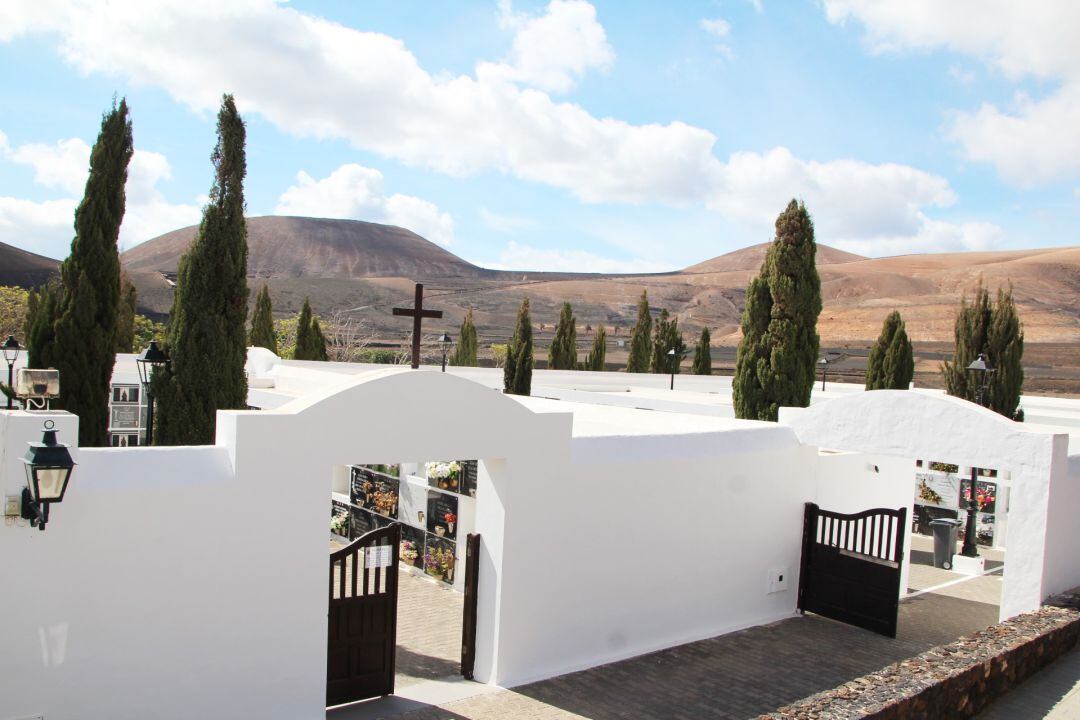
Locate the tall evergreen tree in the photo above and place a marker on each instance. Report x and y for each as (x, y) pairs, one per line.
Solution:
(305, 337)
(465, 352)
(207, 336)
(778, 352)
(891, 364)
(598, 354)
(562, 355)
(262, 322)
(85, 342)
(703, 355)
(517, 372)
(41, 326)
(666, 337)
(125, 316)
(641, 338)
(318, 342)
(992, 329)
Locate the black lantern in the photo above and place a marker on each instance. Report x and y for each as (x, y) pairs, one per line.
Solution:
(445, 341)
(674, 358)
(824, 363)
(11, 354)
(982, 369)
(48, 468)
(148, 361)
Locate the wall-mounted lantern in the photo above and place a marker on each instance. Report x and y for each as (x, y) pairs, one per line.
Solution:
(48, 469)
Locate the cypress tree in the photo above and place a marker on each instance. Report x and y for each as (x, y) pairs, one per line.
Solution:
(262, 322)
(598, 354)
(517, 372)
(465, 352)
(891, 364)
(562, 355)
(994, 330)
(703, 355)
(41, 326)
(125, 316)
(779, 348)
(85, 341)
(207, 336)
(641, 338)
(318, 342)
(305, 338)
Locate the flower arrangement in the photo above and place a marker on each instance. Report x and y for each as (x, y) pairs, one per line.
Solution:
(440, 563)
(927, 494)
(445, 474)
(408, 551)
(983, 496)
(450, 517)
(384, 502)
(339, 522)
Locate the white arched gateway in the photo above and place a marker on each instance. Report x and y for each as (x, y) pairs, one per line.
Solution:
(1045, 498)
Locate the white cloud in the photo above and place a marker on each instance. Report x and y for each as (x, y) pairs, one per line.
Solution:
(962, 76)
(523, 257)
(555, 50)
(506, 223)
(354, 192)
(47, 227)
(1035, 140)
(719, 28)
(313, 77)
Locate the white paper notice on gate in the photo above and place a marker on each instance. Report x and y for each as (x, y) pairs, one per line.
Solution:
(378, 556)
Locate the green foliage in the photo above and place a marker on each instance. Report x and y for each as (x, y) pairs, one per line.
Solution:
(86, 325)
(207, 337)
(262, 322)
(562, 355)
(891, 364)
(666, 337)
(703, 355)
(42, 309)
(994, 330)
(125, 316)
(305, 337)
(499, 352)
(318, 342)
(595, 359)
(641, 338)
(285, 336)
(145, 330)
(465, 352)
(14, 308)
(379, 356)
(517, 372)
(778, 352)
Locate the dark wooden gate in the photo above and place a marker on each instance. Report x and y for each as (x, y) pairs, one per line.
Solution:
(468, 617)
(851, 566)
(362, 622)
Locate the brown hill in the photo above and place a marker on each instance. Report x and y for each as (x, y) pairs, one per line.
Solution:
(25, 269)
(750, 258)
(300, 247)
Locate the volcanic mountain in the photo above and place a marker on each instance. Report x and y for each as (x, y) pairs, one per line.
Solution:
(25, 269)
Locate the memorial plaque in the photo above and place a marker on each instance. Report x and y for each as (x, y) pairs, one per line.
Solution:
(442, 514)
(938, 489)
(125, 417)
(361, 521)
(470, 468)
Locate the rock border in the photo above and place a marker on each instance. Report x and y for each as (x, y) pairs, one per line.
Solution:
(952, 681)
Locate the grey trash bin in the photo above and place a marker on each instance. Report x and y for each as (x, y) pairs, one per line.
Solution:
(945, 530)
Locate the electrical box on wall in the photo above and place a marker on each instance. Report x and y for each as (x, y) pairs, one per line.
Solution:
(778, 580)
(12, 506)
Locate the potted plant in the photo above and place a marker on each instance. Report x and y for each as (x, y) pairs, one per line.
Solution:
(409, 552)
(445, 475)
(450, 519)
(385, 502)
(339, 523)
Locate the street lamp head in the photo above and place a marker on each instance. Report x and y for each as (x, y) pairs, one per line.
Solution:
(980, 364)
(149, 360)
(11, 349)
(48, 467)
(671, 352)
(446, 339)
(823, 361)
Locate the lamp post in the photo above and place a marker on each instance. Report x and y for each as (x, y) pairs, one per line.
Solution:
(824, 363)
(11, 354)
(445, 341)
(48, 467)
(148, 361)
(673, 359)
(982, 369)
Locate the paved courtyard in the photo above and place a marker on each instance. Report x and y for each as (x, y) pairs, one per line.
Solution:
(429, 630)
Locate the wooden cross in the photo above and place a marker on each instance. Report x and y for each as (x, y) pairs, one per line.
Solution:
(417, 313)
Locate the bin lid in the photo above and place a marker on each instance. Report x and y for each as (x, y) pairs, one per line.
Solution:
(945, 521)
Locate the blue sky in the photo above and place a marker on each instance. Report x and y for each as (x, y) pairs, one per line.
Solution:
(565, 135)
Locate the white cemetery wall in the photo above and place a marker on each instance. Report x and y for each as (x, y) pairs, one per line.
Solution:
(853, 482)
(147, 595)
(1062, 570)
(647, 543)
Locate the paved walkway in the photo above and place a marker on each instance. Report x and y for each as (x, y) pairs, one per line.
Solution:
(429, 630)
